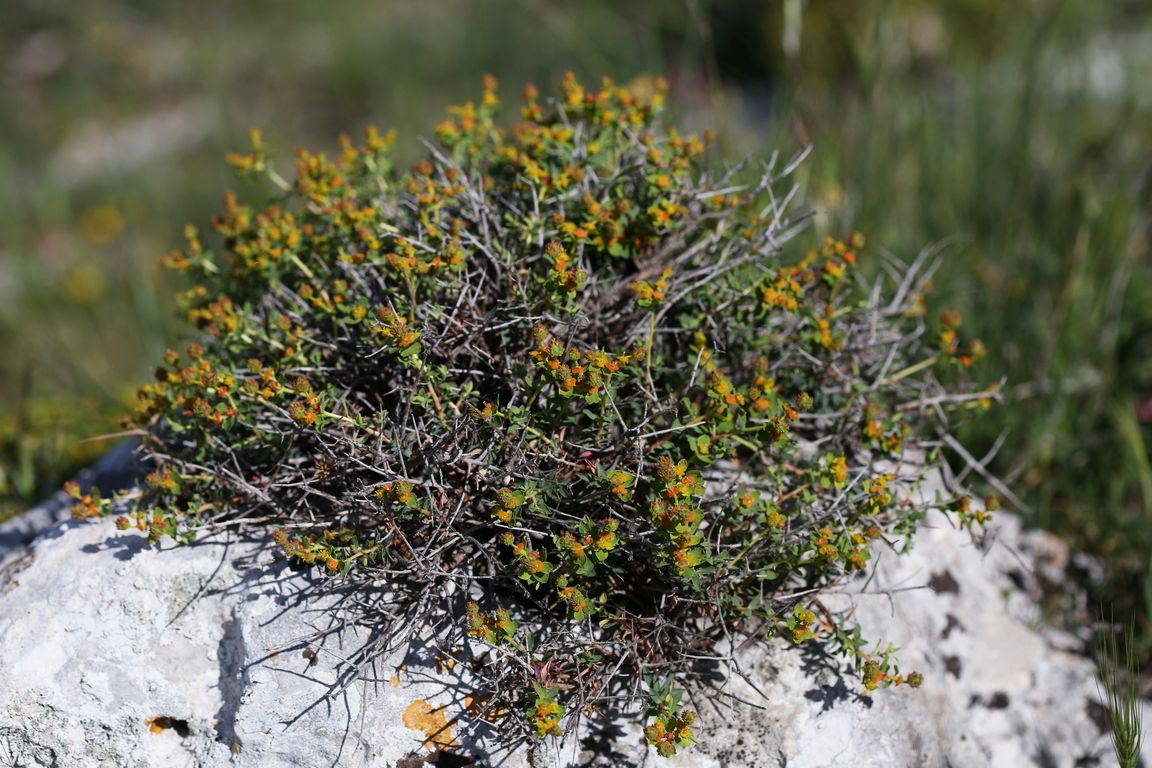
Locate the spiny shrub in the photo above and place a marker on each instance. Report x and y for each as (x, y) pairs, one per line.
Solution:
(559, 392)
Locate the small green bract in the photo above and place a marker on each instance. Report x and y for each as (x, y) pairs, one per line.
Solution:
(558, 395)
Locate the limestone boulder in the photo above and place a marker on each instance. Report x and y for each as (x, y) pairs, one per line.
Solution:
(120, 653)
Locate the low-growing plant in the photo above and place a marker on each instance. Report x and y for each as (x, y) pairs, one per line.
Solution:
(558, 391)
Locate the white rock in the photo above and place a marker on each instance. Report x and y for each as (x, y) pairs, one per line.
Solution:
(102, 634)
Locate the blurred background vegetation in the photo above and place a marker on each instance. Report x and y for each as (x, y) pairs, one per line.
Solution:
(1014, 138)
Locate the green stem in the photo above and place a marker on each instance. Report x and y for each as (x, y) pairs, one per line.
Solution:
(912, 369)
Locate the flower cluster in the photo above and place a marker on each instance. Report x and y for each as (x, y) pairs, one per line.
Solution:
(671, 725)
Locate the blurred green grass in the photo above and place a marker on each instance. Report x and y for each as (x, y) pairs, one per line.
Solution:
(1012, 136)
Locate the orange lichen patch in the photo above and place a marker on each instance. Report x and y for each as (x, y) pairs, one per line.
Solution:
(420, 716)
(394, 681)
(476, 707)
(445, 663)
